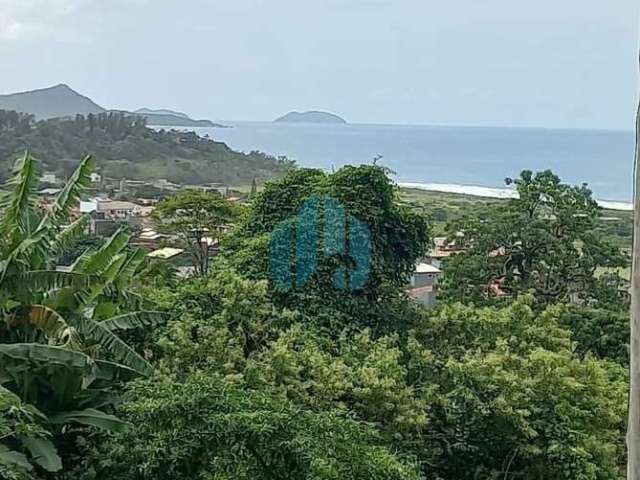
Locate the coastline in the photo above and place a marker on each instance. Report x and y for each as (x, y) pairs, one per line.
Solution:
(498, 193)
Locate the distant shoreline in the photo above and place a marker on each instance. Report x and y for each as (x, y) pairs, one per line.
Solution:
(498, 193)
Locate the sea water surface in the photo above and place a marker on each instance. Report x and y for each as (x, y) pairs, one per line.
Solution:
(457, 156)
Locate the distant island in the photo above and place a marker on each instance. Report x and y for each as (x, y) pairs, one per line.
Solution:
(167, 118)
(61, 101)
(311, 117)
(161, 111)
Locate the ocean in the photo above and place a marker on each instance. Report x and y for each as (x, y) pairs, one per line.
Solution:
(465, 159)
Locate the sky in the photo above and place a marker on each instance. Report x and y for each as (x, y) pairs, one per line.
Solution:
(543, 63)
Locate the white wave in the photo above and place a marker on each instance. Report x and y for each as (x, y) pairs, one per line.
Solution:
(492, 192)
(611, 205)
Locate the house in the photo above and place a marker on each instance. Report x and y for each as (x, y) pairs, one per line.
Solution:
(495, 288)
(125, 184)
(115, 209)
(165, 253)
(106, 215)
(444, 247)
(96, 177)
(88, 206)
(164, 184)
(149, 238)
(221, 188)
(424, 284)
(49, 177)
(120, 210)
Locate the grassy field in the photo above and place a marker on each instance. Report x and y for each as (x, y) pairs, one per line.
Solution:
(442, 208)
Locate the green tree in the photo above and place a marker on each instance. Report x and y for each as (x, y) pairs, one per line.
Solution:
(512, 398)
(199, 219)
(397, 236)
(597, 332)
(207, 427)
(20, 428)
(544, 242)
(471, 392)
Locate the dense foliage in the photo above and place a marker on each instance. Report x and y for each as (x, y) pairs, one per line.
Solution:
(253, 381)
(125, 148)
(59, 345)
(207, 427)
(544, 242)
(397, 235)
(199, 219)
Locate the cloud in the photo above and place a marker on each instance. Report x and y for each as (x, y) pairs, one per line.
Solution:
(27, 18)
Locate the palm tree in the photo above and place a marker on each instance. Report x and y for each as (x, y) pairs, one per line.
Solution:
(60, 352)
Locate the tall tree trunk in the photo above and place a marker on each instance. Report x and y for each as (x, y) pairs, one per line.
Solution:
(633, 429)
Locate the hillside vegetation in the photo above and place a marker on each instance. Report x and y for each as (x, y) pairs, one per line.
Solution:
(126, 148)
(119, 369)
(62, 101)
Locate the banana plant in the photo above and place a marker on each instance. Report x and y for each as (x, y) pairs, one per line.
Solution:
(60, 349)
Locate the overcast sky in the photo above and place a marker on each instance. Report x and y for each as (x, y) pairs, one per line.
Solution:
(550, 63)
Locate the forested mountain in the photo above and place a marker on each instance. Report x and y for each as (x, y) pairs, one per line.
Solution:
(57, 101)
(62, 101)
(126, 148)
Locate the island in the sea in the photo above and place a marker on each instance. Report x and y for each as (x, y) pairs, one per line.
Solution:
(164, 117)
(311, 117)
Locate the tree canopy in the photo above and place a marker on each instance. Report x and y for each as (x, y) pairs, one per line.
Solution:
(199, 219)
(397, 235)
(244, 379)
(544, 242)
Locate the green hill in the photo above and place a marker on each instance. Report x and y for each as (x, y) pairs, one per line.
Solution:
(126, 148)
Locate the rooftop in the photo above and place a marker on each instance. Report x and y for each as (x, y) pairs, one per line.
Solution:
(165, 253)
(426, 268)
(115, 205)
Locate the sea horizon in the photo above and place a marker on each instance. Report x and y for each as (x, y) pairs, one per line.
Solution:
(468, 159)
(227, 123)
